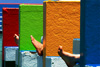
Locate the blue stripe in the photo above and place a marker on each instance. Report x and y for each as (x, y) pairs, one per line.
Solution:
(53, 57)
(0, 23)
(28, 50)
(11, 47)
(76, 39)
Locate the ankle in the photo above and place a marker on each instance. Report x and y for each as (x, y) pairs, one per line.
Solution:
(77, 56)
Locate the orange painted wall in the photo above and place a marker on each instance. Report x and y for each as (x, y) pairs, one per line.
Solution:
(61, 26)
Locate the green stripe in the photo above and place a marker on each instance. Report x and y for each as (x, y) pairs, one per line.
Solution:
(31, 23)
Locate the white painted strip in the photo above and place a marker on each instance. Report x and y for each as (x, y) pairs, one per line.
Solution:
(25, 59)
(0, 25)
(10, 53)
(55, 62)
(69, 0)
(0, 29)
(0, 16)
(0, 20)
(0, 12)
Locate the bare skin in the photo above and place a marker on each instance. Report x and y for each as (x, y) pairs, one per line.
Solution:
(70, 59)
(16, 37)
(37, 45)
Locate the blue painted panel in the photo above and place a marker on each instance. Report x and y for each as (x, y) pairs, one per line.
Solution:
(22, 1)
(90, 32)
(0, 23)
(8, 6)
(0, 18)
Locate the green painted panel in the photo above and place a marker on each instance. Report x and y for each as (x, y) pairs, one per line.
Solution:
(31, 23)
(31, 8)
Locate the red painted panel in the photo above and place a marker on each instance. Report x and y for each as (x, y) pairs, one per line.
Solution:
(10, 26)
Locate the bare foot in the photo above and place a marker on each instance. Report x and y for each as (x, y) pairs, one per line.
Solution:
(70, 59)
(37, 45)
(16, 37)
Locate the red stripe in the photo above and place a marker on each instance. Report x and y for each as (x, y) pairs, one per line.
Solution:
(21, 3)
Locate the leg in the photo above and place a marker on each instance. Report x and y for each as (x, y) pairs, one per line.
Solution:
(70, 59)
(37, 45)
(16, 37)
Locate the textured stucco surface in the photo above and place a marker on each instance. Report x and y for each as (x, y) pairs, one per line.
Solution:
(61, 26)
(52, 61)
(31, 23)
(10, 26)
(10, 53)
(27, 59)
(55, 62)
